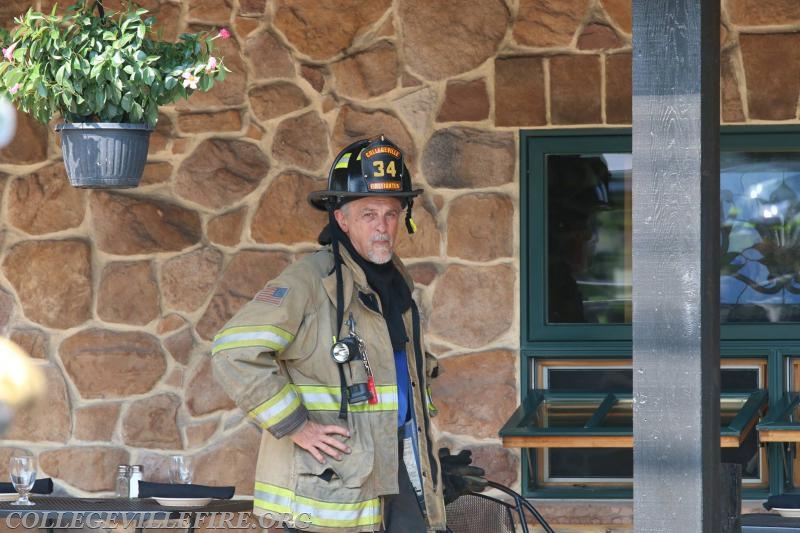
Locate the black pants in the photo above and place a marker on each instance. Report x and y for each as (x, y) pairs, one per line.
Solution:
(402, 513)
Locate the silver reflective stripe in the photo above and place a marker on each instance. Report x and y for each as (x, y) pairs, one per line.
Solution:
(320, 513)
(267, 338)
(278, 407)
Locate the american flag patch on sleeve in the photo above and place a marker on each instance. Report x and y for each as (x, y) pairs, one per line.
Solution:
(271, 295)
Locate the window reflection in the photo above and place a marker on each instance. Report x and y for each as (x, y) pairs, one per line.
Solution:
(588, 238)
(589, 244)
(760, 237)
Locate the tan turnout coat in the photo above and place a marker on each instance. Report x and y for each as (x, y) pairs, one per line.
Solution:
(273, 358)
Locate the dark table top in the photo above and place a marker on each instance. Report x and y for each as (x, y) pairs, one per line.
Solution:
(769, 523)
(66, 506)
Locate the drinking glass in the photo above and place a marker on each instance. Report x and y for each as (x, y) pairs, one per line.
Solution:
(23, 475)
(179, 470)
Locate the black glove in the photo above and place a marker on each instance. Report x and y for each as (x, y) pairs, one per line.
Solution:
(458, 476)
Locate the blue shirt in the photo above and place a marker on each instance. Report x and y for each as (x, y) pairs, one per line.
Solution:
(403, 383)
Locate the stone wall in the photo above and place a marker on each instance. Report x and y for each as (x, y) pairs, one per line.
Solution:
(120, 292)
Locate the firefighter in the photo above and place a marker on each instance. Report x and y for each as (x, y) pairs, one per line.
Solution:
(328, 359)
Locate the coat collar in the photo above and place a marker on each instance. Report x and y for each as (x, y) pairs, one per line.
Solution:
(352, 275)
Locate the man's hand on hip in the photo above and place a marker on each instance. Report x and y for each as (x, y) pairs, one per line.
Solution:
(317, 439)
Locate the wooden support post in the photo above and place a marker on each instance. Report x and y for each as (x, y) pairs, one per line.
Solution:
(676, 420)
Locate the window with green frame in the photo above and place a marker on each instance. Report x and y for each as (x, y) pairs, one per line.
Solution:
(576, 305)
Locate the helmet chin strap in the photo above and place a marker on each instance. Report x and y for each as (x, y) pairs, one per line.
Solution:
(337, 266)
(411, 227)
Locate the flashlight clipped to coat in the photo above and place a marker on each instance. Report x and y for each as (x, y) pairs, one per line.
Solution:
(352, 349)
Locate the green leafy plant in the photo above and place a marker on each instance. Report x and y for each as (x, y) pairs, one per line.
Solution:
(89, 65)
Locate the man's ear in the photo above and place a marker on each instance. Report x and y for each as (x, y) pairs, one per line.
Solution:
(340, 219)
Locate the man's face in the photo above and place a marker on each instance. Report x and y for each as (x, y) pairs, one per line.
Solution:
(371, 224)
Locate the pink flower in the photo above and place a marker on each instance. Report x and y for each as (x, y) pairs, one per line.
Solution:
(225, 33)
(212, 64)
(190, 80)
(8, 53)
(14, 89)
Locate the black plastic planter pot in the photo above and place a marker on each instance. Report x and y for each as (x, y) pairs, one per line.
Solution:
(104, 155)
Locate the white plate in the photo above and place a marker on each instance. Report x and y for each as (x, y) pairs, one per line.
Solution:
(183, 502)
(8, 496)
(794, 513)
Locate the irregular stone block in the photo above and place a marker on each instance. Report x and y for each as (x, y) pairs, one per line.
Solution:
(578, 79)
(599, 37)
(152, 423)
(53, 280)
(268, 57)
(44, 202)
(464, 101)
(519, 92)
(367, 74)
(203, 394)
(220, 172)
(493, 378)
(472, 34)
(156, 173)
(199, 122)
(771, 92)
(36, 343)
(276, 99)
(619, 100)
(463, 158)
(128, 293)
(180, 345)
(30, 141)
(127, 225)
(283, 215)
(186, 280)
(49, 417)
(96, 422)
(226, 229)
(548, 23)
(619, 11)
(732, 109)
(763, 13)
(322, 30)
(473, 306)
(89, 468)
(480, 227)
(417, 108)
(302, 141)
(426, 241)
(108, 364)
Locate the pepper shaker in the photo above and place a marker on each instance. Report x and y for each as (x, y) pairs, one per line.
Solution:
(123, 481)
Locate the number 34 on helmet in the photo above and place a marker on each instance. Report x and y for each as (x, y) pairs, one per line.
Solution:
(367, 168)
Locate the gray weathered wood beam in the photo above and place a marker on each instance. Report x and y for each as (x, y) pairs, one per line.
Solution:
(676, 265)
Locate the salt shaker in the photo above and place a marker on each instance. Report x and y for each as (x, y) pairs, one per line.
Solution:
(136, 477)
(123, 481)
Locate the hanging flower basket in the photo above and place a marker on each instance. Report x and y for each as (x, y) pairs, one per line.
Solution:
(106, 76)
(104, 155)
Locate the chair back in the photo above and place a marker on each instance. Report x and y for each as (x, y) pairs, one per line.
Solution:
(477, 513)
(480, 513)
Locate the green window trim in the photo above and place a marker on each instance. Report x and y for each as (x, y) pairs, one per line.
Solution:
(781, 423)
(526, 428)
(774, 343)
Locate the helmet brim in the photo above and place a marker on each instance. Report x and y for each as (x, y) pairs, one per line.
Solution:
(321, 199)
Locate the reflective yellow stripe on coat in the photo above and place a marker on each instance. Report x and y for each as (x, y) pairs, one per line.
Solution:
(276, 408)
(272, 499)
(268, 337)
(325, 398)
